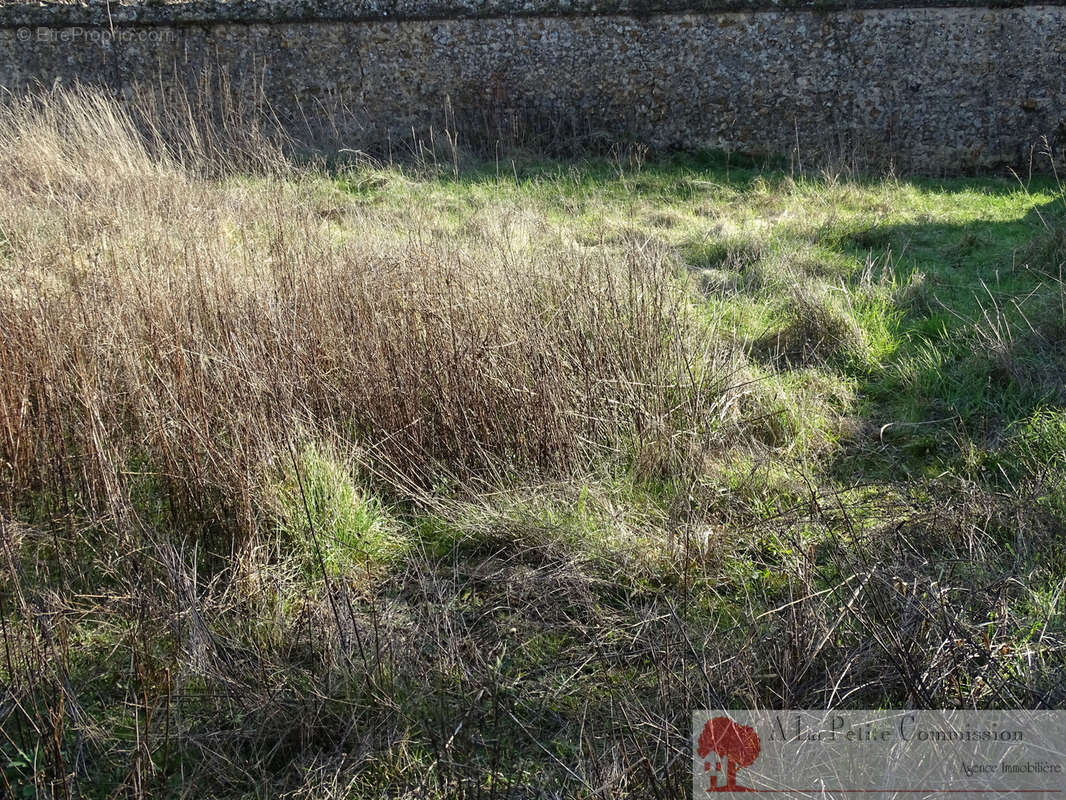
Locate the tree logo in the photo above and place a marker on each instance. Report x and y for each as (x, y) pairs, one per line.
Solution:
(738, 744)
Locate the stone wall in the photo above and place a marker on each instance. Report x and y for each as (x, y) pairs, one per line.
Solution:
(935, 88)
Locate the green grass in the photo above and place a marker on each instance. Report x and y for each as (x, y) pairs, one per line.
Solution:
(881, 512)
(329, 522)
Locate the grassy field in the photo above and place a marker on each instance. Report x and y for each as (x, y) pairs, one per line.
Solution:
(368, 481)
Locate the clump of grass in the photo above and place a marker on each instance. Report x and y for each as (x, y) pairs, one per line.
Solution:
(819, 325)
(331, 523)
(1019, 343)
(730, 254)
(202, 346)
(1032, 457)
(1046, 251)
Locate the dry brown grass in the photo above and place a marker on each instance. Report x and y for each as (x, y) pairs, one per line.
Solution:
(198, 329)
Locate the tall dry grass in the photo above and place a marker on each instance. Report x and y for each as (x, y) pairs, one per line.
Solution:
(165, 326)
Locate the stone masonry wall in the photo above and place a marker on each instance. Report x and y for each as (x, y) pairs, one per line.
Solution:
(934, 88)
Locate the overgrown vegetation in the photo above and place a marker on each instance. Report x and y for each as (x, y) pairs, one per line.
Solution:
(475, 480)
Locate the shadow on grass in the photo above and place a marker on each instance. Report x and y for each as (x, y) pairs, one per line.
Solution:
(982, 339)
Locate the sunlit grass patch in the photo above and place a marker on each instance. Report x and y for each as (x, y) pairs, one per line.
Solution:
(332, 524)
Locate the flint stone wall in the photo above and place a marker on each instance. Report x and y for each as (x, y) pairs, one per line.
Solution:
(935, 88)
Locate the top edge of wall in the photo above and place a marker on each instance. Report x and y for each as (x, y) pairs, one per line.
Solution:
(143, 13)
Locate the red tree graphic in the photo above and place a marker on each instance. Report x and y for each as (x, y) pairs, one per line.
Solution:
(738, 744)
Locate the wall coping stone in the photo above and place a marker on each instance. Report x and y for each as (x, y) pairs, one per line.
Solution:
(101, 14)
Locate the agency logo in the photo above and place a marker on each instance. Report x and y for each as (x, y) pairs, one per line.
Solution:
(736, 744)
(878, 753)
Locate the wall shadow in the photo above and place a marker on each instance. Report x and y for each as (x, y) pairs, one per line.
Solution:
(983, 340)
